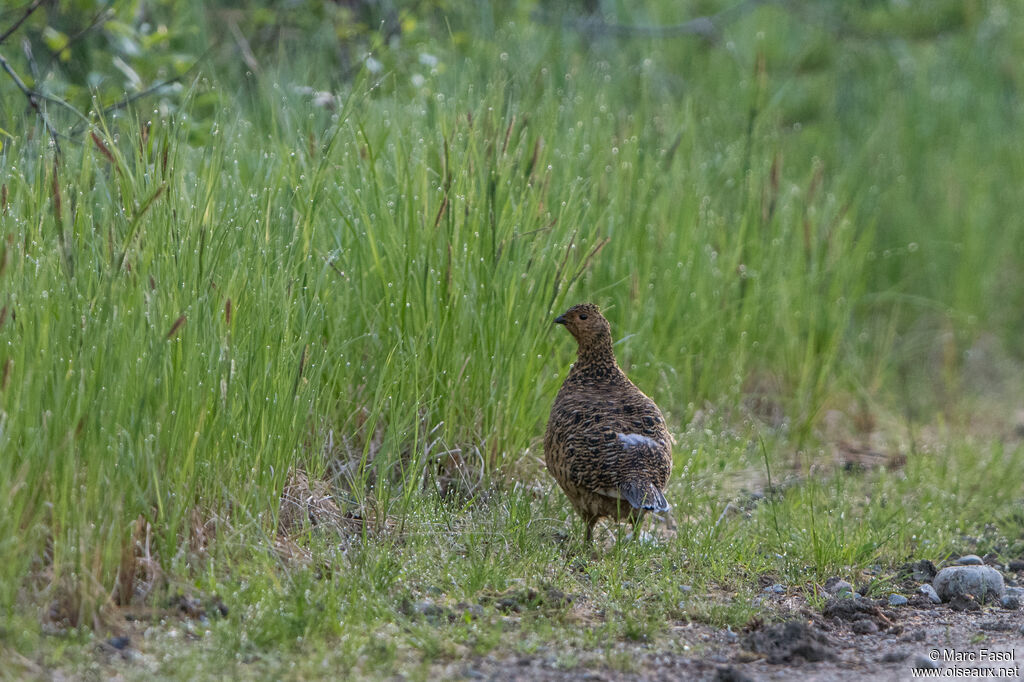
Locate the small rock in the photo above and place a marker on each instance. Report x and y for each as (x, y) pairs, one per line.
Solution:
(777, 588)
(1009, 602)
(970, 560)
(685, 588)
(929, 591)
(120, 643)
(1022, 629)
(1017, 592)
(1017, 565)
(981, 582)
(864, 627)
(991, 559)
(837, 586)
(964, 602)
(922, 662)
(897, 600)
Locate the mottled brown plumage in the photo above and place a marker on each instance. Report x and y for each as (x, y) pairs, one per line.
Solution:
(606, 443)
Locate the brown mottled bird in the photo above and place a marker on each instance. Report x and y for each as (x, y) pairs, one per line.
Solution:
(606, 442)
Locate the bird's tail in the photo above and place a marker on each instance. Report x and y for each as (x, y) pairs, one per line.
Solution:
(644, 495)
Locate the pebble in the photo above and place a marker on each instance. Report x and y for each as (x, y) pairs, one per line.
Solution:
(897, 600)
(777, 588)
(685, 588)
(1017, 565)
(929, 591)
(922, 661)
(119, 643)
(1009, 602)
(970, 560)
(836, 586)
(981, 582)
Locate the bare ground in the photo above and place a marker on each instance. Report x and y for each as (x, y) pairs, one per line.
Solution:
(809, 646)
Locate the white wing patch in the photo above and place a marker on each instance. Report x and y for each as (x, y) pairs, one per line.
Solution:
(631, 439)
(610, 492)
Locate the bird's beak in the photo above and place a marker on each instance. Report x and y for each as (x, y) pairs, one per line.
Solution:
(560, 319)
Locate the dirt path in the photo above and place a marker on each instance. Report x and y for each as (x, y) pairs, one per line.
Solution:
(907, 637)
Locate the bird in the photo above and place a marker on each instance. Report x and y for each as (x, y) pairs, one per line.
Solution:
(606, 443)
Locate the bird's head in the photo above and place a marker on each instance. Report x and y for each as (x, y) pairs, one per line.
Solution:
(585, 322)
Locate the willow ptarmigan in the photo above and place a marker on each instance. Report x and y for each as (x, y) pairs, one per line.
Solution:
(606, 442)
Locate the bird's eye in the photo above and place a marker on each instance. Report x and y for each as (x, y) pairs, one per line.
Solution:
(583, 316)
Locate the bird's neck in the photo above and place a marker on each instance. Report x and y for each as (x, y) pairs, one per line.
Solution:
(595, 357)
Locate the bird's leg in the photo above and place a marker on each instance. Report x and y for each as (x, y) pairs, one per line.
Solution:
(589, 540)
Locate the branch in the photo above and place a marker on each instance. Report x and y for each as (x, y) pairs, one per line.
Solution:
(122, 103)
(28, 12)
(243, 46)
(33, 100)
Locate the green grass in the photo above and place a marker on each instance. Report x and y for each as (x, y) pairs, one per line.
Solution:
(801, 220)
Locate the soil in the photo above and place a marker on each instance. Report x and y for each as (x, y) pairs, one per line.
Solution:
(807, 646)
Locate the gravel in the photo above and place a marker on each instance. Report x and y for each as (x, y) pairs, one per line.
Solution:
(970, 560)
